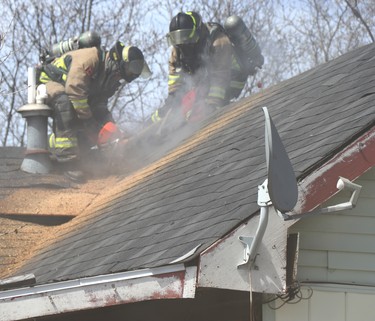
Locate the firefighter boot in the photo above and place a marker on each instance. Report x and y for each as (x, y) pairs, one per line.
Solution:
(72, 169)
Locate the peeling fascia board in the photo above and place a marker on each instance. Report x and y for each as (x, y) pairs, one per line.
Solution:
(218, 263)
(167, 282)
(352, 162)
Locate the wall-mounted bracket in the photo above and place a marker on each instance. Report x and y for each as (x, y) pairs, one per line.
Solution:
(252, 243)
(247, 241)
(342, 184)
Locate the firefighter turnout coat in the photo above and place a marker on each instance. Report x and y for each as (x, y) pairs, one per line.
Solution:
(78, 87)
(214, 70)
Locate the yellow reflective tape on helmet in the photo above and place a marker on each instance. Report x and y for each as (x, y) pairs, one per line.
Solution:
(61, 142)
(172, 79)
(116, 53)
(194, 22)
(217, 92)
(80, 104)
(125, 53)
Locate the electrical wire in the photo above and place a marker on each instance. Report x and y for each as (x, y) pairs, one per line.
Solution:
(293, 295)
(251, 297)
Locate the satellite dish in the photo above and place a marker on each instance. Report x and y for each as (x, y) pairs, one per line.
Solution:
(282, 183)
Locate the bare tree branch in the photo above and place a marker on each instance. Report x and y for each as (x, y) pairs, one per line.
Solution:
(358, 15)
(294, 36)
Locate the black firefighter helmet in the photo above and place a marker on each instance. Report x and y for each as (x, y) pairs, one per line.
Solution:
(130, 61)
(185, 28)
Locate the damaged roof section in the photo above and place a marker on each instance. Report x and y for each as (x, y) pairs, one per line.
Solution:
(202, 190)
(33, 206)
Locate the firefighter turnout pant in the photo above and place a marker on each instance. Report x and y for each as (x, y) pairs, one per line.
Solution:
(65, 125)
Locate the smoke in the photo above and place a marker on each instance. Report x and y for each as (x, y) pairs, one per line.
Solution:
(157, 140)
(143, 148)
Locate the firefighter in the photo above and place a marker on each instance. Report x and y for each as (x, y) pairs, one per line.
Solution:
(202, 60)
(79, 84)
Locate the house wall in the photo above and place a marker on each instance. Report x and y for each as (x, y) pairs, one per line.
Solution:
(324, 303)
(209, 305)
(340, 247)
(336, 263)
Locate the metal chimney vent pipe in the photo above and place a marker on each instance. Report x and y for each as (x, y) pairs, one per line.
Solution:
(36, 113)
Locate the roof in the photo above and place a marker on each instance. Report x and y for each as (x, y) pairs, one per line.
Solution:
(203, 189)
(32, 206)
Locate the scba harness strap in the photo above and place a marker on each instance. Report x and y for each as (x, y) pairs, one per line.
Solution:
(56, 71)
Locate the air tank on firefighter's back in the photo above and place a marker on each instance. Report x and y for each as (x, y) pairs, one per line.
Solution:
(85, 40)
(250, 53)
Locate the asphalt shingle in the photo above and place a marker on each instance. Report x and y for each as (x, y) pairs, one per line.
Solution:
(210, 185)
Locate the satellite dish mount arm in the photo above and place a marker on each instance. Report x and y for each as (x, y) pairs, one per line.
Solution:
(280, 191)
(252, 243)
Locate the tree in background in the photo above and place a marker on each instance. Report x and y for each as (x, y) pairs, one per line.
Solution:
(10, 90)
(322, 30)
(294, 36)
(34, 26)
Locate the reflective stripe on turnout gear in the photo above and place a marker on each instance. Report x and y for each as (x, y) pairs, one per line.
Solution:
(57, 70)
(235, 64)
(216, 92)
(63, 142)
(52, 141)
(44, 78)
(155, 117)
(80, 104)
(60, 63)
(237, 84)
(172, 79)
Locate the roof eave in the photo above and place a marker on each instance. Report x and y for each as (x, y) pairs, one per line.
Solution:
(351, 162)
(167, 282)
(219, 264)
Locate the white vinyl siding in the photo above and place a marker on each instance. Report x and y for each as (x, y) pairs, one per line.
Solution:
(324, 305)
(340, 247)
(337, 255)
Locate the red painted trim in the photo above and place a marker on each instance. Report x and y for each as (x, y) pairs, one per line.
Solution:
(95, 292)
(350, 163)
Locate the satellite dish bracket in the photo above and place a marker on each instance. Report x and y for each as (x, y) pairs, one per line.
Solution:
(252, 243)
(280, 191)
(342, 184)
